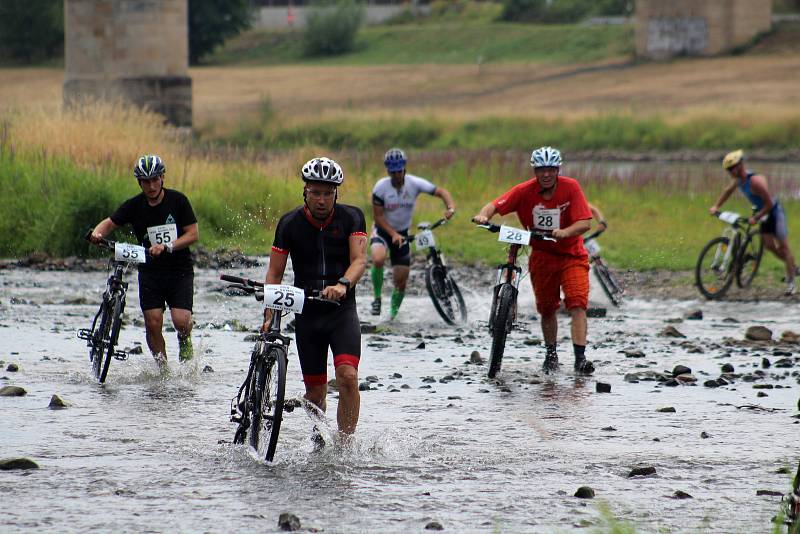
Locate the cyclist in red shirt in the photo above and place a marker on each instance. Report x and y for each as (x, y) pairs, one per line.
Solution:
(553, 205)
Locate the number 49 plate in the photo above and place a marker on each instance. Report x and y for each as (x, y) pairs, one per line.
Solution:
(284, 297)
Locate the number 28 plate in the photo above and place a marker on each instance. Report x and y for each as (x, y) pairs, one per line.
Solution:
(284, 297)
(509, 234)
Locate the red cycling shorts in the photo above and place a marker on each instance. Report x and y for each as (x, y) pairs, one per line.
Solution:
(552, 273)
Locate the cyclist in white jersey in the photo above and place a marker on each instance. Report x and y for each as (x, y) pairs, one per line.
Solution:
(393, 201)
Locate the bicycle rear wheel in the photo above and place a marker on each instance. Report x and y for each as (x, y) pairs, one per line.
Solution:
(99, 340)
(266, 401)
(116, 306)
(501, 326)
(610, 286)
(445, 294)
(749, 260)
(713, 273)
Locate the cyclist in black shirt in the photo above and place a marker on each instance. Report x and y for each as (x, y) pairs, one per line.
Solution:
(327, 242)
(164, 223)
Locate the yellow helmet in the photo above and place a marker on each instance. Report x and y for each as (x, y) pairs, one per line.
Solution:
(732, 159)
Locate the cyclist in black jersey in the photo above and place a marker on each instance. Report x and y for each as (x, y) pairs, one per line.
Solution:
(165, 224)
(327, 242)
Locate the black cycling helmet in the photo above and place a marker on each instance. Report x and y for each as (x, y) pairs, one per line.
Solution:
(149, 166)
(323, 170)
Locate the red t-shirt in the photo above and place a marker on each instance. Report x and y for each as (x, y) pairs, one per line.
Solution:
(567, 206)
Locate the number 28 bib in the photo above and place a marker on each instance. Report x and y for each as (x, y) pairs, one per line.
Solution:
(165, 233)
(546, 219)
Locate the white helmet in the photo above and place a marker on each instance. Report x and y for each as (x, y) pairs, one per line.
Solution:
(322, 170)
(545, 157)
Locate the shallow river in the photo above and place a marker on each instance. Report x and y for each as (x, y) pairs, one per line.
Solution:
(150, 454)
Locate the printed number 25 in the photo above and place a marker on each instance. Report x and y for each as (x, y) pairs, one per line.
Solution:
(284, 300)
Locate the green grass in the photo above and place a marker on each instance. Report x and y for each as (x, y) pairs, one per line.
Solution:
(612, 131)
(455, 42)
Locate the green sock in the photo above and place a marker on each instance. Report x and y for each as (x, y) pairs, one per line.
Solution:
(397, 299)
(377, 281)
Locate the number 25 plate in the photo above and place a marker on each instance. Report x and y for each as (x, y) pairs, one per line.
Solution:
(128, 252)
(509, 234)
(283, 297)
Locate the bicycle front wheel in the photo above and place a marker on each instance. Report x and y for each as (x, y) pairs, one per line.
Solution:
(445, 294)
(117, 306)
(267, 402)
(749, 260)
(501, 326)
(610, 286)
(100, 340)
(713, 273)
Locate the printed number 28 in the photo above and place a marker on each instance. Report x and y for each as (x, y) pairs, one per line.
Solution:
(545, 220)
(512, 234)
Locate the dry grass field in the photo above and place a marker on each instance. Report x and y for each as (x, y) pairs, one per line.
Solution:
(761, 85)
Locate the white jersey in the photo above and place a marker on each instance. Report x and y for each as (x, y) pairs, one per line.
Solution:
(398, 205)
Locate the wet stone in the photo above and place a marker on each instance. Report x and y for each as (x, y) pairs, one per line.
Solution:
(367, 328)
(681, 370)
(421, 345)
(364, 386)
(396, 375)
(705, 435)
(208, 369)
(670, 331)
(727, 368)
(633, 353)
(644, 471)
(790, 337)
(136, 349)
(761, 394)
(288, 522)
(681, 495)
(584, 492)
(765, 363)
(762, 386)
(532, 341)
(672, 383)
(711, 384)
(602, 387)
(770, 493)
(57, 403)
(251, 338)
(434, 525)
(475, 357)
(784, 363)
(12, 391)
(758, 333)
(667, 409)
(438, 360)
(12, 368)
(695, 315)
(730, 320)
(9, 464)
(686, 378)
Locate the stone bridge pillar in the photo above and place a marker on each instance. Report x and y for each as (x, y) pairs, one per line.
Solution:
(135, 50)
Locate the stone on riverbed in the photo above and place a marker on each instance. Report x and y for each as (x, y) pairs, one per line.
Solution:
(790, 337)
(695, 315)
(12, 367)
(681, 495)
(644, 471)
(475, 357)
(12, 391)
(758, 333)
(17, 463)
(681, 370)
(57, 403)
(584, 492)
(670, 331)
(602, 387)
(288, 522)
(434, 525)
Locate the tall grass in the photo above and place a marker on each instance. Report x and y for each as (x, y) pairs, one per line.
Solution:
(62, 171)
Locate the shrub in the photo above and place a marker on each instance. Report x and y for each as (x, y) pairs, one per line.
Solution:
(211, 22)
(31, 30)
(332, 27)
(562, 11)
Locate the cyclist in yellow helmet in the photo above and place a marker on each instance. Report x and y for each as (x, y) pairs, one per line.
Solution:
(773, 229)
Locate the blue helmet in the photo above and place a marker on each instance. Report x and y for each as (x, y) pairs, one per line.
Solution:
(395, 160)
(148, 167)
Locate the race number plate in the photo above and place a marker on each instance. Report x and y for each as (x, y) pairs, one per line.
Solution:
(128, 252)
(592, 247)
(165, 233)
(425, 239)
(509, 234)
(546, 219)
(729, 217)
(283, 297)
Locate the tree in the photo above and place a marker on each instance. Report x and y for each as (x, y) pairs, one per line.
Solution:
(31, 30)
(211, 22)
(332, 27)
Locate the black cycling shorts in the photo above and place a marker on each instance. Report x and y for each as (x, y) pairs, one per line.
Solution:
(173, 288)
(400, 255)
(318, 328)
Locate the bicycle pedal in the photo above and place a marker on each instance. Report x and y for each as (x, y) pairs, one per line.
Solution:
(120, 355)
(235, 418)
(85, 333)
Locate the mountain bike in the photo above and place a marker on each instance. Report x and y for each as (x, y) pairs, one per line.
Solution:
(735, 254)
(608, 282)
(103, 335)
(442, 288)
(503, 312)
(260, 402)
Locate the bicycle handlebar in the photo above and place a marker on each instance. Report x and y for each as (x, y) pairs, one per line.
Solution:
(495, 228)
(593, 235)
(109, 244)
(257, 288)
(435, 225)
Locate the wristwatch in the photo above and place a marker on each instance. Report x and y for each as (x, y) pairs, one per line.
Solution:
(169, 247)
(345, 282)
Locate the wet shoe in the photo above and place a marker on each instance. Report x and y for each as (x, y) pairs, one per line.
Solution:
(186, 351)
(317, 440)
(790, 289)
(550, 362)
(583, 366)
(376, 307)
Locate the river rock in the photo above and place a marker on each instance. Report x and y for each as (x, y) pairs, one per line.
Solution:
(670, 331)
(602, 387)
(686, 378)
(12, 367)
(251, 338)
(288, 522)
(667, 409)
(12, 391)
(644, 471)
(681, 495)
(633, 353)
(671, 383)
(711, 384)
(367, 328)
(727, 368)
(421, 345)
(584, 492)
(396, 375)
(17, 463)
(434, 525)
(784, 363)
(765, 363)
(758, 333)
(790, 337)
(136, 349)
(681, 370)
(695, 315)
(771, 493)
(57, 403)
(208, 369)
(364, 386)
(705, 435)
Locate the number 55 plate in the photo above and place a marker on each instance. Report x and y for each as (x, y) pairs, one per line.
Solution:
(509, 234)
(129, 252)
(284, 297)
